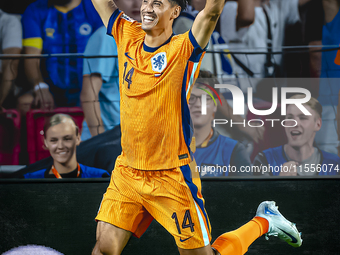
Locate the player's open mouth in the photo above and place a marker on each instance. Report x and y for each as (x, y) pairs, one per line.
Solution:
(147, 18)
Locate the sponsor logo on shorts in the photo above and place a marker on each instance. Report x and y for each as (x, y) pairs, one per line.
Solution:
(183, 156)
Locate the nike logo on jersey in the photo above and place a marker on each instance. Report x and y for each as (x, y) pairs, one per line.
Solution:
(292, 237)
(183, 240)
(127, 55)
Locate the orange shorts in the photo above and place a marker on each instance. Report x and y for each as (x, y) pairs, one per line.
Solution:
(135, 197)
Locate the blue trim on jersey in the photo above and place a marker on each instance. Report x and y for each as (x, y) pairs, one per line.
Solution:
(277, 157)
(186, 171)
(112, 20)
(153, 49)
(197, 52)
(186, 119)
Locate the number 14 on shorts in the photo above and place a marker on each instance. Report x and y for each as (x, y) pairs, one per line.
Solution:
(186, 223)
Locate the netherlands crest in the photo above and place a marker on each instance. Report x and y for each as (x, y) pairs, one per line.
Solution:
(159, 62)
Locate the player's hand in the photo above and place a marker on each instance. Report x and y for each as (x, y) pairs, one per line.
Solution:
(44, 99)
(289, 169)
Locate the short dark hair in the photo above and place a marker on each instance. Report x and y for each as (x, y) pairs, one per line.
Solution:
(182, 3)
(57, 119)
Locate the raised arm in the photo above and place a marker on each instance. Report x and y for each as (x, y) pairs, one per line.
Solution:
(90, 103)
(105, 8)
(206, 20)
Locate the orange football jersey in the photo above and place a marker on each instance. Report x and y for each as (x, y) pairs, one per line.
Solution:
(155, 85)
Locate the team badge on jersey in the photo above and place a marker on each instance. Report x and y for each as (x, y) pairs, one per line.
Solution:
(159, 62)
(85, 29)
(50, 32)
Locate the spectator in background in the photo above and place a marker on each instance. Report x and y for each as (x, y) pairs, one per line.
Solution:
(299, 156)
(10, 43)
(61, 139)
(329, 86)
(238, 30)
(212, 148)
(57, 26)
(100, 91)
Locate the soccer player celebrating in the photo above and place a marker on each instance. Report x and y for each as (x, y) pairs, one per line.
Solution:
(152, 177)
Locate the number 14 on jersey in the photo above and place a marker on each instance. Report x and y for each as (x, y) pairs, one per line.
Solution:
(127, 77)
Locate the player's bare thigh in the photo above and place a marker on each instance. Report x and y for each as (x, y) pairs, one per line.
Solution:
(207, 250)
(111, 240)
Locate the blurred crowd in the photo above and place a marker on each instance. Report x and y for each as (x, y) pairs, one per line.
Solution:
(64, 67)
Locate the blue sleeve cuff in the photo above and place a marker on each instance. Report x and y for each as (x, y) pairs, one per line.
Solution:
(112, 20)
(195, 43)
(198, 51)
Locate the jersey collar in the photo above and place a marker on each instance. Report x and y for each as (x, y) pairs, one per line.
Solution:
(153, 49)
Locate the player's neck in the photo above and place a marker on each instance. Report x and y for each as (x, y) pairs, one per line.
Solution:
(201, 133)
(155, 38)
(66, 167)
(299, 154)
(68, 7)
